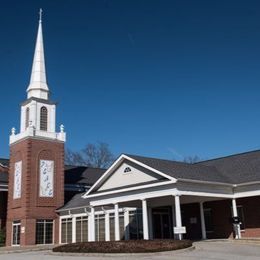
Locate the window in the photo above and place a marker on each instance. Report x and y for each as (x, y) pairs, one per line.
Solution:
(27, 117)
(100, 227)
(135, 225)
(44, 232)
(44, 119)
(66, 230)
(127, 170)
(240, 213)
(16, 233)
(208, 220)
(82, 229)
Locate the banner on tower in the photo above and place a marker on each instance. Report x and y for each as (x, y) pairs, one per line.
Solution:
(46, 178)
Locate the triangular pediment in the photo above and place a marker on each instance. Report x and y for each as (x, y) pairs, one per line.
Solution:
(129, 174)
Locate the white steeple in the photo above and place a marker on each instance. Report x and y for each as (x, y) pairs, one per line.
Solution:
(38, 87)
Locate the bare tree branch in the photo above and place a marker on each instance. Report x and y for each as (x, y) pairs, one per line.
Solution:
(93, 155)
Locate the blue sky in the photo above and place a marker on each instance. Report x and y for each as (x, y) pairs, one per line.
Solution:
(159, 78)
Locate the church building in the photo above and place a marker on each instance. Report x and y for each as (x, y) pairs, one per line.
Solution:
(43, 201)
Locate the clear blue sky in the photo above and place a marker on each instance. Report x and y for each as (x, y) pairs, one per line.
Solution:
(159, 78)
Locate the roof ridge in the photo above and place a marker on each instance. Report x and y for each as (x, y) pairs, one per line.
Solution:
(154, 158)
(228, 156)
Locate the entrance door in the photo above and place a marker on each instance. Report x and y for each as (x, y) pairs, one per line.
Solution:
(162, 223)
(16, 233)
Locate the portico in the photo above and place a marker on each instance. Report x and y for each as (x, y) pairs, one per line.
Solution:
(146, 198)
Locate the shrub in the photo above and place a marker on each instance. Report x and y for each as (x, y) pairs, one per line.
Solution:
(2, 237)
(133, 246)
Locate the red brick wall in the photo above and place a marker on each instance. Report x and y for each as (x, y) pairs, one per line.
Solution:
(222, 212)
(31, 207)
(191, 212)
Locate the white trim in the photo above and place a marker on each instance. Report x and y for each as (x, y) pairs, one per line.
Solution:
(145, 220)
(155, 194)
(117, 225)
(120, 160)
(1, 165)
(245, 194)
(73, 229)
(107, 226)
(128, 189)
(60, 230)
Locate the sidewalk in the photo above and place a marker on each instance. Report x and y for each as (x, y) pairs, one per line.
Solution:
(18, 249)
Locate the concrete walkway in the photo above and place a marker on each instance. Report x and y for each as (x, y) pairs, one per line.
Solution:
(207, 250)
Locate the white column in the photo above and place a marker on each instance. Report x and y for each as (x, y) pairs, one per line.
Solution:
(60, 229)
(91, 226)
(107, 226)
(117, 227)
(202, 221)
(234, 207)
(178, 214)
(236, 226)
(145, 220)
(126, 224)
(73, 229)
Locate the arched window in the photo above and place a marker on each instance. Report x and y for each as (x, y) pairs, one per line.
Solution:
(27, 117)
(44, 119)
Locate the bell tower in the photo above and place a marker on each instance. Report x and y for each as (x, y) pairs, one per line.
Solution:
(36, 177)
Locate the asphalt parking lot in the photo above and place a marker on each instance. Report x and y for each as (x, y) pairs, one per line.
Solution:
(216, 250)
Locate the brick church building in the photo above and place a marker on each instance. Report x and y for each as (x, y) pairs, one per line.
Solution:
(43, 201)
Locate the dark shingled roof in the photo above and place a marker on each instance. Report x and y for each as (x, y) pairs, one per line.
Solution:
(76, 202)
(239, 168)
(3, 177)
(181, 170)
(82, 175)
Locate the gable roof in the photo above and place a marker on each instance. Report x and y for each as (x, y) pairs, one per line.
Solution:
(181, 170)
(239, 168)
(76, 202)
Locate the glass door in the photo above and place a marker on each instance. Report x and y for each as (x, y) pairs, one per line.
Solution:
(16, 233)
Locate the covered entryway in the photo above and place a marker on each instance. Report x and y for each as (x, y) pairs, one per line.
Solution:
(162, 223)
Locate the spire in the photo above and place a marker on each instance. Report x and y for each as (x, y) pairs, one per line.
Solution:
(38, 84)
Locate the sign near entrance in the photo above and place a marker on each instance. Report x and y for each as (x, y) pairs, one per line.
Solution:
(180, 230)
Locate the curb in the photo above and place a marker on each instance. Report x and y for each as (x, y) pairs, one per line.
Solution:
(20, 251)
(123, 255)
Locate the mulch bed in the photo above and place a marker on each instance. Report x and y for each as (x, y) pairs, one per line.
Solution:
(132, 246)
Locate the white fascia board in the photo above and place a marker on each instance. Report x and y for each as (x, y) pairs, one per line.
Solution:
(207, 194)
(157, 194)
(245, 194)
(115, 165)
(100, 212)
(108, 171)
(134, 197)
(149, 168)
(129, 189)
